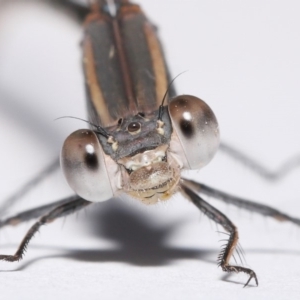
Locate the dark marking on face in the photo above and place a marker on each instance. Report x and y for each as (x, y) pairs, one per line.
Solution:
(187, 128)
(91, 161)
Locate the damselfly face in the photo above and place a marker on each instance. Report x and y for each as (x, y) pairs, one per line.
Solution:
(142, 155)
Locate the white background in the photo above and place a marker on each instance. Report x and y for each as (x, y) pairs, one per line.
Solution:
(243, 59)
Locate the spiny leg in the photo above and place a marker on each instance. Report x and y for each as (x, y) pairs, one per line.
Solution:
(34, 212)
(60, 211)
(219, 218)
(290, 165)
(252, 206)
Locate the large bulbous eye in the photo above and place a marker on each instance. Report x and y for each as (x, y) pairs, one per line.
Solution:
(197, 129)
(82, 162)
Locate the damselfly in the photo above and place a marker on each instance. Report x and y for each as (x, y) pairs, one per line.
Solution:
(131, 166)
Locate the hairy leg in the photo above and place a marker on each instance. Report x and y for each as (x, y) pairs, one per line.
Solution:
(220, 218)
(62, 210)
(34, 212)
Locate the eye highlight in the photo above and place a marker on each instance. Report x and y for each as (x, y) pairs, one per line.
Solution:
(197, 129)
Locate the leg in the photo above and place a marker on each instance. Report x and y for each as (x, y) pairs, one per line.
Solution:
(221, 219)
(60, 211)
(256, 167)
(239, 202)
(34, 213)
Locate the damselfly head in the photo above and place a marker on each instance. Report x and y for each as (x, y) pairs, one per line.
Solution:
(142, 155)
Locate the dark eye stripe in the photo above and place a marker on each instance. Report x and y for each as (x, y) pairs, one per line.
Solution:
(187, 128)
(91, 161)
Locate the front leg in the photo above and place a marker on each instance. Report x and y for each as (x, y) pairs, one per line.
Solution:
(60, 211)
(219, 218)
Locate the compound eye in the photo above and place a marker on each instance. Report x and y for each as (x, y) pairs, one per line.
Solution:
(197, 129)
(82, 162)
